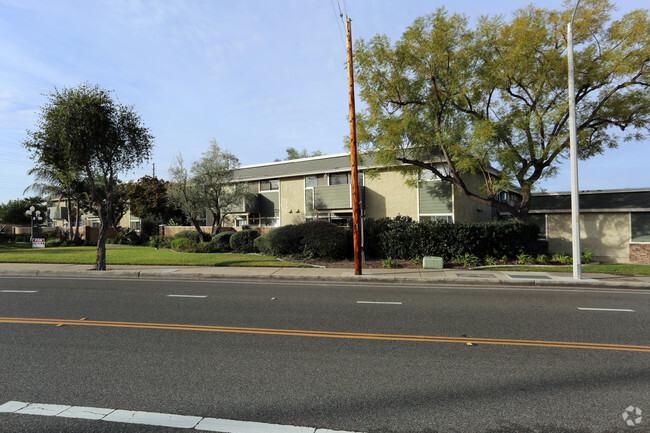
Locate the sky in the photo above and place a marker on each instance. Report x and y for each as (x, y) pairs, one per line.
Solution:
(257, 76)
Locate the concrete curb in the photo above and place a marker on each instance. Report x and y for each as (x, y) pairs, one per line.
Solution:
(362, 279)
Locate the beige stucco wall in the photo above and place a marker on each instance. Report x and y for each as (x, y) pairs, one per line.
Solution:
(388, 195)
(466, 209)
(292, 200)
(606, 235)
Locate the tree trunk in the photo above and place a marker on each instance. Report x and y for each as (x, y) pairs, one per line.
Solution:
(76, 222)
(100, 264)
(198, 229)
(70, 228)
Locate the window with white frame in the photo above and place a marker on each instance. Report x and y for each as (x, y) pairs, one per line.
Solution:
(439, 218)
(269, 185)
(640, 226)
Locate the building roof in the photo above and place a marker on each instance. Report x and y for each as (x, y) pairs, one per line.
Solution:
(620, 200)
(301, 167)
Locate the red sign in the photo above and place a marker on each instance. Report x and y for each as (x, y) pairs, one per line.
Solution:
(38, 243)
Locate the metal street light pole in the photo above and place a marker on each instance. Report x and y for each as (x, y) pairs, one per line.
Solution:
(575, 200)
(33, 215)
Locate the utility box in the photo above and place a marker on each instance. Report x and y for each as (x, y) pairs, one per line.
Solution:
(432, 262)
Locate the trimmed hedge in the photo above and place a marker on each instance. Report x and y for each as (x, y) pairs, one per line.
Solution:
(161, 241)
(282, 241)
(221, 242)
(312, 240)
(193, 235)
(402, 238)
(242, 242)
(183, 245)
(322, 240)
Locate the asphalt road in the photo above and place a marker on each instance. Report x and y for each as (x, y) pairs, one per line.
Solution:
(324, 376)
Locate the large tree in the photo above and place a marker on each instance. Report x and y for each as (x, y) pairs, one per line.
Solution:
(148, 199)
(13, 212)
(496, 96)
(86, 129)
(208, 187)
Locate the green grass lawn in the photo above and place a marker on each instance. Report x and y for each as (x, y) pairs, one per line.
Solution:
(131, 255)
(603, 268)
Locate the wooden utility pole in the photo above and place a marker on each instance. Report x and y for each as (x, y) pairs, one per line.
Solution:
(356, 211)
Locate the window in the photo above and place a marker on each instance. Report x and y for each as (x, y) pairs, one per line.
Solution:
(640, 223)
(269, 185)
(340, 179)
(311, 181)
(344, 178)
(441, 218)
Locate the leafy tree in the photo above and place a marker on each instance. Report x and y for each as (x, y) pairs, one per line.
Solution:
(148, 199)
(13, 212)
(496, 95)
(184, 194)
(293, 153)
(85, 129)
(208, 187)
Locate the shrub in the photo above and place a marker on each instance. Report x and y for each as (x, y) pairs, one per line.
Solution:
(183, 245)
(148, 227)
(542, 259)
(282, 241)
(467, 260)
(22, 237)
(7, 237)
(206, 247)
(564, 259)
(221, 242)
(242, 242)
(111, 241)
(525, 259)
(491, 261)
(586, 257)
(389, 263)
(161, 241)
(193, 235)
(52, 243)
(322, 240)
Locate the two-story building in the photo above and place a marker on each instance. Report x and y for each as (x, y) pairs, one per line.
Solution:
(319, 188)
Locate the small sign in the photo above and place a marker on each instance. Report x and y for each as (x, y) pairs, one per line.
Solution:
(38, 242)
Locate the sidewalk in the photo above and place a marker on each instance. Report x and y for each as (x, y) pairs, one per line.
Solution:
(393, 276)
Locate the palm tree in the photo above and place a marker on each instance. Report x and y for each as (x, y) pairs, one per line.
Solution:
(67, 185)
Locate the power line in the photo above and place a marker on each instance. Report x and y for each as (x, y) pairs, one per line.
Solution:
(337, 19)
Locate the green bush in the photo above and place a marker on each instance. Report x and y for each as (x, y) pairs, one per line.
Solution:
(586, 257)
(193, 235)
(22, 237)
(389, 263)
(491, 261)
(161, 241)
(542, 259)
(525, 259)
(323, 240)
(221, 242)
(6, 238)
(467, 260)
(183, 245)
(403, 238)
(111, 241)
(206, 247)
(282, 241)
(52, 243)
(243, 241)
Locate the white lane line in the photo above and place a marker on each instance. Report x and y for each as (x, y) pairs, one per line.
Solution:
(186, 296)
(155, 419)
(228, 425)
(18, 291)
(378, 302)
(623, 310)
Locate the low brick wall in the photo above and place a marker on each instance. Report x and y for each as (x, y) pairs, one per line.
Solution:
(640, 253)
(92, 233)
(21, 230)
(164, 230)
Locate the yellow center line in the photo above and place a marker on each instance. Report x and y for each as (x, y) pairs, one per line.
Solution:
(327, 334)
